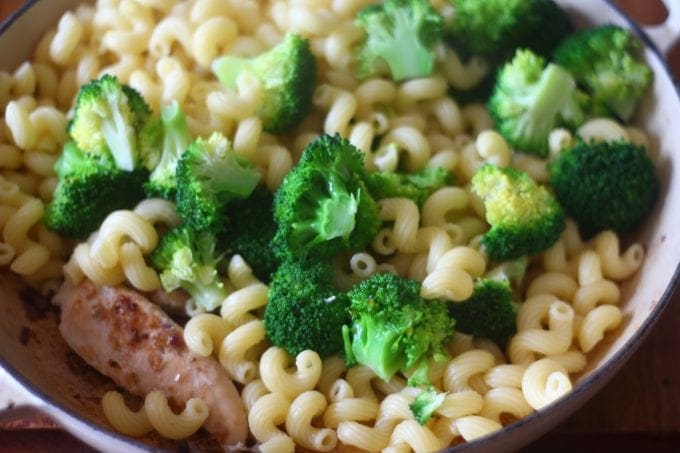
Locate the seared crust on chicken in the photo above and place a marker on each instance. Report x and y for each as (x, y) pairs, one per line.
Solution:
(129, 339)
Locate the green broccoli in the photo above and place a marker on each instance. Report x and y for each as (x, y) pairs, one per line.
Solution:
(488, 313)
(415, 186)
(603, 60)
(531, 99)
(162, 143)
(304, 310)
(425, 404)
(251, 234)
(287, 73)
(209, 175)
(323, 207)
(394, 329)
(107, 119)
(401, 34)
(186, 258)
(605, 185)
(89, 188)
(524, 217)
(496, 28)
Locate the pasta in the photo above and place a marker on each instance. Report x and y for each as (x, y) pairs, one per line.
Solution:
(569, 299)
(169, 424)
(154, 414)
(306, 406)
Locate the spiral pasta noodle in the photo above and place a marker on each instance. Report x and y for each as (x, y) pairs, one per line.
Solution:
(154, 414)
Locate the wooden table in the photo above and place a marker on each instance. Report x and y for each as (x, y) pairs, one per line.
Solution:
(638, 410)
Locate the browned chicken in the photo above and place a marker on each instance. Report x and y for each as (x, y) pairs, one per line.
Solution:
(173, 303)
(129, 339)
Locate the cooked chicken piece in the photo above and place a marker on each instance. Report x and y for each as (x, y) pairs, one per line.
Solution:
(173, 303)
(129, 339)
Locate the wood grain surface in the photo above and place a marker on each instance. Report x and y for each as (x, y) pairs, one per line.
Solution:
(638, 410)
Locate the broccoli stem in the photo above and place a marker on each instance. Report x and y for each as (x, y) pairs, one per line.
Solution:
(407, 58)
(553, 93)
(376, 345)
(336, 217)
(120, 135)
(230, 176)
(176, 140)
(208, 296)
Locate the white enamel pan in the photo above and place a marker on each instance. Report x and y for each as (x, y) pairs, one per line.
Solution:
(39, 374)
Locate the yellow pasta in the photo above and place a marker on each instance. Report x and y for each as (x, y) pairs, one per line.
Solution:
(441, 203)
(234, 348)
(171, 425)
(253, 391)
(474, 426)
(505, 375)
(203, 333)
(465, 366)
(211, 37)
(543, 382)
(406, 217)
(274, 373)
(237, 306)
(505, 400)
(331, 370)
(418, 437)
(154, 414)
(123, 419)
(595, 323)
(413, 142)
(346, 409)
(267, 413)
(555, 340)
(617, 265)
(137, 272)
(299, 426)
(118, 226)
(360, 378)
(460, 404)
(362, 436)
(69, 33)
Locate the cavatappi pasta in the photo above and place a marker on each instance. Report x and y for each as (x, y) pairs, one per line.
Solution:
(163, 49)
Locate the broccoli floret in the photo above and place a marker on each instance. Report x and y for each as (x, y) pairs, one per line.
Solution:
(531, 99)
(89, 188)
(251, 234)
(605, 185)
(108, 118)
(167, 138)
(401, 34)
(287, 73)
(488, 313)
(496, 28)
(425, 404)
(187, 259)
(323, 207)
(394, 329)
(415, 186)
(304, 310)
(209, 175)
(150, 142)
(524, 217)
(603, 60)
